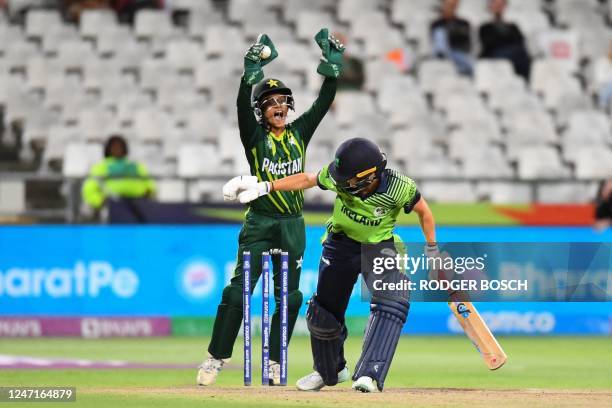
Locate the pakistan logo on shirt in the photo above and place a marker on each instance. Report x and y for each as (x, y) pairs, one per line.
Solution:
(379, 211)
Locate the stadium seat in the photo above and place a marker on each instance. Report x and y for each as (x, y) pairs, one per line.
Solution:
(183, 54)
(204, 6)
(171, 191)
(79, 157)
(10, 35)
(348, 9)
(17, 53)
(98, 72)
(96, 124)
(12, 196)
(501, 192)
(292, 8)
(588, 127)
(490, 73)
(540, 163)
(74, 54)
(130, 103)
(432, 71)
(377, 69)
(448, 191)
(199, 20)
(483, 164)
(570, 103)
(93, 22)
(40, 71)
(534, 123)
(152, 124)
(593, 163)
(154, 71)
(350, 105)
(561, 46)
(40, 21)
(218, 37)
(58, 138)
(309, 22)
(566, 193)
(151, 156)
(150, 24)
(52, 40)
(600, 74)
(122, 46)
(36, 127)
(191, 163)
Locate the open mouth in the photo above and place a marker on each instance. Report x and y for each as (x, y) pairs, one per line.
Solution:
(279, 115)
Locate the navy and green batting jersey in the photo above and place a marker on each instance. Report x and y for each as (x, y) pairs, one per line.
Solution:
(271, 157)
(372, 219)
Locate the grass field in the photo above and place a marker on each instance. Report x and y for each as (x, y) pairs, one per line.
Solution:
(427, 371)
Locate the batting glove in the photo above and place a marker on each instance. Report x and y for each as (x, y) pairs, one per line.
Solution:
(331, 59)
(237, 185)
(253, 62)
(253, 193)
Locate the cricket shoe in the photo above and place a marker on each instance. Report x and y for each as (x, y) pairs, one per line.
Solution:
(364, 384)
(274, 371)
(314, 382)
(209, 369)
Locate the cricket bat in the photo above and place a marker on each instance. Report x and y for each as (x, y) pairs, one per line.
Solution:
(480, 335)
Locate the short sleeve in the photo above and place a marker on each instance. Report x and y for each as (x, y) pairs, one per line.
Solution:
(411, 196)
(324, 181)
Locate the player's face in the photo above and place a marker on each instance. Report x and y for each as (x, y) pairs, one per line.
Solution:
(275, 108)
(361, 186)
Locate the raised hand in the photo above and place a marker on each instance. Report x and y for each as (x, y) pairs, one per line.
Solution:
(253, 61)
(331, 54)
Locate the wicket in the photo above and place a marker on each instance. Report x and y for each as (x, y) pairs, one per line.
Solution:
(266, 260)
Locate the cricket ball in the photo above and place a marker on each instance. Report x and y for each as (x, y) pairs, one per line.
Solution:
(265, 52)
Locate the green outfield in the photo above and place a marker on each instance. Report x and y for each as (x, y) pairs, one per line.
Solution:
(446, 214)
(427, 371)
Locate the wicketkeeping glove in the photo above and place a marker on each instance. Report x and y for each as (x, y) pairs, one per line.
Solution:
(254, 192)
(331, 58)
(237, 185)
(253, 62)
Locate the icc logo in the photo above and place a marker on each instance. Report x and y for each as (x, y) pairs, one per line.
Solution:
(379, 211)
(463, 310)
(197, 280)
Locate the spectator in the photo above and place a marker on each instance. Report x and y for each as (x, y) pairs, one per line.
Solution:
(127, 9)
(73, 8)
(16, 9)
(116, 176)
(502, 39)
(353, 76)
(603, 79)
(603, 211)
(451, 37)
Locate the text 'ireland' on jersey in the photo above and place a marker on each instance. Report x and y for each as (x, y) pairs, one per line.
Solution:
(372, 219)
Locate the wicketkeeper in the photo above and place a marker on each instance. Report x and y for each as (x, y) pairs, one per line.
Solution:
(369, 198)
(275, 149)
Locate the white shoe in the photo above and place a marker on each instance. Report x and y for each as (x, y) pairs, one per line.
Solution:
(209, 369)
(274, 370)
(364, 384)
(314, 382)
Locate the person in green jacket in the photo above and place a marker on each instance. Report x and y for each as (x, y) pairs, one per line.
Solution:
(275, 149)
(116, 176)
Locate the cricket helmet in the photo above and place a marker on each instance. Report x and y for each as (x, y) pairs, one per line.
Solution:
(266, 87)
(358, 163)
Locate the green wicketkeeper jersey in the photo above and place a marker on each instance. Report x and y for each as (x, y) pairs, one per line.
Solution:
(271, 157)
(372, 219)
